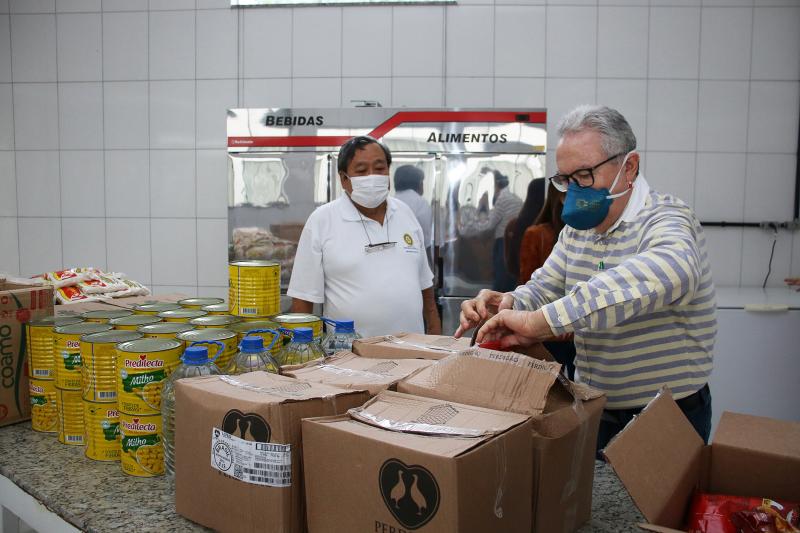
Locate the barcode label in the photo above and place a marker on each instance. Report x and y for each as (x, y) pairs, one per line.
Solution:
(107, 395)
(74, 438)
(39, 372)
(249, 310)
(259, 463)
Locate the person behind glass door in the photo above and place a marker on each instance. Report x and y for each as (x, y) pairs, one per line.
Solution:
(629, 276)
(408, 188)
(362, 255)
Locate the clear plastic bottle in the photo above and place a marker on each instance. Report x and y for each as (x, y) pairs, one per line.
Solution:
(253, 355)
(302, 349)
(341, 336)
(195, 362)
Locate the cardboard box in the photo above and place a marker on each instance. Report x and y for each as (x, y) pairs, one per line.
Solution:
(19, 304)
(661, 460)
(409, 346)
(220, 421)
(403, 463)
(350, 371)
(566, 418)
(128, 302)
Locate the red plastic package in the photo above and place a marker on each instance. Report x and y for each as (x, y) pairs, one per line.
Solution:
(714, 513)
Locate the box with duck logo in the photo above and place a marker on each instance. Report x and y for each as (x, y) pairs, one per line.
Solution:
(238, 448)
(19, 304)
(350, 371)
(403, 463)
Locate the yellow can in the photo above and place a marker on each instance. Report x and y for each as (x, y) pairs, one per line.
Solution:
(141, 450)
(181, 315)
(215, 321)
(101, 421)
(99, 364)
(67, 353)
(155, 308)
(226, 337)
(70, 417)
(217, 309)
(243, 328)
(300, 320)
(39, 342)
(199, 303)
(104, 315)
(254, 288)
(44, 411)
(133, 322)
(142, 367)
(164, 330)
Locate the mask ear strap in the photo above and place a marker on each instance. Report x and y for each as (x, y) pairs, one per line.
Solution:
(616, 179)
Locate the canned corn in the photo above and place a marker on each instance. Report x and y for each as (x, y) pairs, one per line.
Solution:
(101, 421)
(226, 337)
(141, 450)
(198, 303)
(242, 328)
(155, 308)
(98, 364)
(70, 417)
(214, 321)
(44, 411)
(164, 330)
(142, 367)
(104, 315)
(181, 315)
(132, 322)
(39, 342)
(255, 288)
(300, 320)
(67, 353)
(216, 309)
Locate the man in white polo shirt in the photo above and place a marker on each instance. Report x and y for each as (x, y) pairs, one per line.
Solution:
(362, 256)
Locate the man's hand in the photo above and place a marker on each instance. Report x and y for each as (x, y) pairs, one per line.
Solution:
(482, 307)
(515, 328)
(793, 282)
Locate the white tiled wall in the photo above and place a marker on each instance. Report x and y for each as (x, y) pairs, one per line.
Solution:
(112, 112)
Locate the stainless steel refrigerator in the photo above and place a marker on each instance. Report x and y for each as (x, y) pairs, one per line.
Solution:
(282, 164)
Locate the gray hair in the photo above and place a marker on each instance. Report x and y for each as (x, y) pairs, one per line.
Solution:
(616, 134)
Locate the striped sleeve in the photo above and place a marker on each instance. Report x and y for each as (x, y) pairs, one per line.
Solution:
(667, 271)
(546, 284)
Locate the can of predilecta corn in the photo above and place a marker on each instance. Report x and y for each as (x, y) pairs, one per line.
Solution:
(39, 342)
(67, 352)
(70, 417)
(44, 411)
(132, 322)
(165, 330)
(217, 309)
(215, 321)
(99, 364)
(254, 288)
(199, 303)
(104, 315)
(155, 308)
(300, 320)
(226, 337)
(101, 422)
(242, 328)
(141, 450)
(142, 367)
(181, 315)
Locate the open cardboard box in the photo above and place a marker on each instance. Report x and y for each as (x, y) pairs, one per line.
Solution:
(409, 346)
(661, 460)
(566, 417)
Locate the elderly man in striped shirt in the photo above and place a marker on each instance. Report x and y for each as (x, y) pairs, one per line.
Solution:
(629, 277)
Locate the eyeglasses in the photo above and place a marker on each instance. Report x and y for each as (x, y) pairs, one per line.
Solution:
(583, 177)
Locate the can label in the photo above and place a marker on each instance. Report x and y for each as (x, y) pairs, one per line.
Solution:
(102, 431)
(254, 290)
(40, 352)
(98, 371)
(142, 453)
(67, 361)
(44, 411)
(70, 417)
(140, 379)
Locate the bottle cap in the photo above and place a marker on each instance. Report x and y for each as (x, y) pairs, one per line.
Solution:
(252, 344)
(345, 326)
(303, 335)
(195, 355)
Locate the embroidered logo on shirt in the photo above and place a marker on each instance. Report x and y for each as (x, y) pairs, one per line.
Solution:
(408, 239)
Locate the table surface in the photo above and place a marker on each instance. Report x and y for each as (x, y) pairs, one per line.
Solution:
(98, 497)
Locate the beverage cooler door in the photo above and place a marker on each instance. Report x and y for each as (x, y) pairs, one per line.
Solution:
(270, 196)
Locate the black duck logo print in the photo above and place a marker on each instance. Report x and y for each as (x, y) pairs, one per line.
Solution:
(236, 421)
(410, 492)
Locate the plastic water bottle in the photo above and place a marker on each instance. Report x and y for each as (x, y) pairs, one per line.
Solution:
(302, 349)
(341, 336)
(253, 356)
(194, 362)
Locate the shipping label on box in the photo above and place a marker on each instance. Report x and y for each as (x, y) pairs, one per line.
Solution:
(351, 371)
(405, 463)
(238, 448)
(19, 304)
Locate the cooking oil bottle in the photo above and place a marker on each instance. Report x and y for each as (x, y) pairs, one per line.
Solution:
(340, 337)
(253, 355)
(302, 348)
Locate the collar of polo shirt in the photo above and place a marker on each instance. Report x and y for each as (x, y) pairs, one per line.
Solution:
(350, 213)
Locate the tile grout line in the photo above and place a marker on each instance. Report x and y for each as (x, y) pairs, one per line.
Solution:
(58, 133)
(747, 142)
(103, 136)
(697, 113)
(14, 136)
(149, 173)
(196, 116)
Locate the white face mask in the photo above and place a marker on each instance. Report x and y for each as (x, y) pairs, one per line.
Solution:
(369, 191)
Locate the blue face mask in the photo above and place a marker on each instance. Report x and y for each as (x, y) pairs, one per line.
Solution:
(586, 208)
